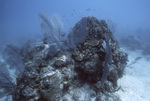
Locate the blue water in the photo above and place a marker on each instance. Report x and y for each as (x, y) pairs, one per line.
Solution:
(19, 18)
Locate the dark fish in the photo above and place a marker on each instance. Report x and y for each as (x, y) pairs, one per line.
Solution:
(137, 58)
(135, 61)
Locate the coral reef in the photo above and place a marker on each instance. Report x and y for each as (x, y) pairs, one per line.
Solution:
(87, 71)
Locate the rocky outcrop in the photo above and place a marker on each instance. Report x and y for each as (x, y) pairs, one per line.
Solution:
(75, 74)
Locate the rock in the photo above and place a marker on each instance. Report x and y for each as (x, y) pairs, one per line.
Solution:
(31, 93)
(51, 87)
(107, 97)
(75, 74)
(92, 42)
(67, 98)
(113, 76)
(46, 72)
(82, 94)
(62, 61)
(89, 68)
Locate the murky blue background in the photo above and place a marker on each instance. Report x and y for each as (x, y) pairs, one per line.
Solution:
(19, 18)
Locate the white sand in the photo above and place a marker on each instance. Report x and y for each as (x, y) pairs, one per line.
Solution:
(135, 84)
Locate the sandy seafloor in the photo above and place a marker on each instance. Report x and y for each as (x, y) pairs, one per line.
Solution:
(135, 83)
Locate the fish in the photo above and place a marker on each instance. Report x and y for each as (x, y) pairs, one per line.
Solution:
(135, 61)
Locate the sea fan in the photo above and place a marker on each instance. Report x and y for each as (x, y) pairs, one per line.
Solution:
(12, 56)
(52, 28)
(6, 84)
(78, 34)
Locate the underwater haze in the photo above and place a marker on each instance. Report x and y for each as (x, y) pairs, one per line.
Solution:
(19, 19)
(128, 20)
